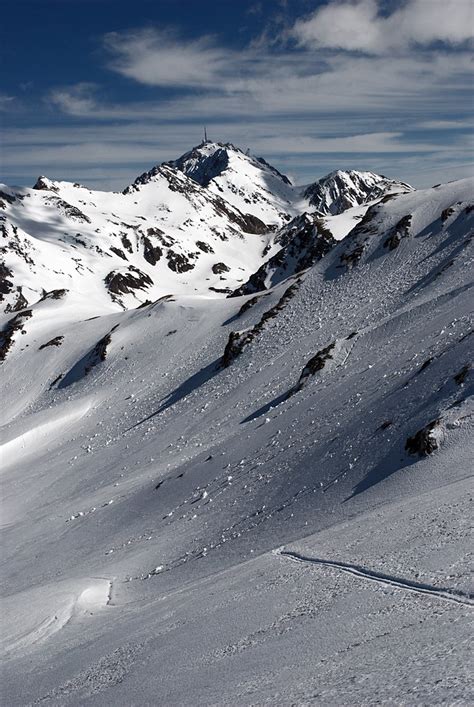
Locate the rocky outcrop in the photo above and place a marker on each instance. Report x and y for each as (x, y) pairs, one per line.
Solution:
(427, 440)
(305, 240)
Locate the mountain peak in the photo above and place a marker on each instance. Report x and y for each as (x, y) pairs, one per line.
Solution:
(342, 189)
(209, 160)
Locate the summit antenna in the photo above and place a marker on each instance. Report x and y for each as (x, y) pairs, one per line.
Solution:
(205, 134)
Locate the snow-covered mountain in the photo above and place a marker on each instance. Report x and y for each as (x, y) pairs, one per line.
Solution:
(256, 499)
(203, 224)
(342, 190)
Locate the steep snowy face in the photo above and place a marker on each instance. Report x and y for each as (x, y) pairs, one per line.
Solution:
(249, 183)
(155, 462)
(205, 224)
(297, 245)
(340, 190)
(164, 234)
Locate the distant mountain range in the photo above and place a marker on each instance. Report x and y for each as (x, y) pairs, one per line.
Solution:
(204, 223)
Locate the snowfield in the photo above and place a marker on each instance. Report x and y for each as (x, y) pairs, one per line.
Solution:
(255, 499)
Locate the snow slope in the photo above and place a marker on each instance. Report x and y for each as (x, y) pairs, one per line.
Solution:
(203, 224)
(249, 500)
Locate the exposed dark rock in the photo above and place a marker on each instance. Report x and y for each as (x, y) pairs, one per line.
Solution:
(201, 169)
(151, 253)
(119, 252)
(52, 342)
(20, 303)
(219, 268)
(426, 364)
(446, 213)
(121, 283)
(385, 425)
(341, 190)
(178, 262)
(315, 364)
(6, 285)
(221, 290)
(126, 242)
(71, 211)
(205, 247)
(99, 352)
(352, 257)
(54, 294)
(11, 327)
(305, 240)
(425, 441)
(42, 183)
(238, 340)
(461, 376)
(250, 303)
(399, 231)
(8, 198)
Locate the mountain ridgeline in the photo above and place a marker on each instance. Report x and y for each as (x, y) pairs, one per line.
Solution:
(236, 438)
(215, 221)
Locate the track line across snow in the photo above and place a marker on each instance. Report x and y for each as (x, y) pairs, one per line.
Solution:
(453, 595)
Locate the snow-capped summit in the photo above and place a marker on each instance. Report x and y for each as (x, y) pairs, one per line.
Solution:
(203, 223)
(249, 183)
(341, 190)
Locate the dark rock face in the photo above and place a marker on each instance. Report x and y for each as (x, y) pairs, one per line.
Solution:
(352, 257)
(71, 211)
(6, 285)
(399, 231)
(54, 294)
(151, 253)
(119, 252)
(8, 198)
(178, 262)
(219, 268)
(99, 352)
(446, 213)
(250, 303)
(21, 303)
(461, 376)
(119, 283)
(202, 169)
(43, 185)
(305, 240)
(205, 247)
(315, 364)
(8, 333)
(341, 190)
(239, 340)
(83, 367)
(126, 242)
(52, 342)
(425, 441)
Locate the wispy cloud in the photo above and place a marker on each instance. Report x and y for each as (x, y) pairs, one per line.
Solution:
(79, 99)
(347, 83)
(160, 58)
(360, 26)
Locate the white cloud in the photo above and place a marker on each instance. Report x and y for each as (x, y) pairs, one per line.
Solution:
(359, 25)
(159, 58)
(75, 100)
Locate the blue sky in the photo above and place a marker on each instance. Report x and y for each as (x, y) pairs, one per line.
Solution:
(96, 91)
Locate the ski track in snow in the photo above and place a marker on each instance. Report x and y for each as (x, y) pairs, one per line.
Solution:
(452, 595)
